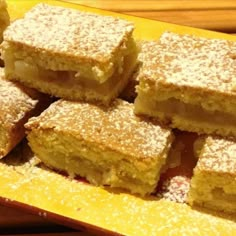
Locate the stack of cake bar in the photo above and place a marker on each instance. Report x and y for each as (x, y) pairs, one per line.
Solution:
(188, 83)
(87, 61)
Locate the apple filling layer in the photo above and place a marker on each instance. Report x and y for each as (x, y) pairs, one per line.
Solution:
(216, 199)
(68, 78)
(69, 84)
(73, 85)
(172, 107)
(64, 153)
(100, 174)
(220, 195)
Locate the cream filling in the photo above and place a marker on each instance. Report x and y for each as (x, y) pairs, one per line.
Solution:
(174, 106)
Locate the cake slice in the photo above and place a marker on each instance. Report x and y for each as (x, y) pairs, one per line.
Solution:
(108, 146)
(214, 182)
(189, 83)
(4, 18)
(17, 105)
(80, 55)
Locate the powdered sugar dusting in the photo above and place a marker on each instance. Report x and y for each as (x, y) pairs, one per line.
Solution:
(70, 32)
(125, 213)
(115, 127)
(218, 155)
(185, 60)
(175, 189)
(14, 101)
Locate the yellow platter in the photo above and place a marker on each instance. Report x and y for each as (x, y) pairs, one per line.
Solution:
(96, 209)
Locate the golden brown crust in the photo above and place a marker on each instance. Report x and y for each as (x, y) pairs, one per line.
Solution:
(114, 127)
(218, 155)
(213, 184)
(64, 84)
(191, 69)
(191, 61)
(107, 146)
(17, 104)
(72, 37)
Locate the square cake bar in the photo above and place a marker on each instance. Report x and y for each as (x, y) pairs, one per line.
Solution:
(70, 54)
(106, 145)
(189, 83)
(4, 18)
(214, 182)
(17, 105)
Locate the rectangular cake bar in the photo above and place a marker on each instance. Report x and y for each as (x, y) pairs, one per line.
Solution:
(214, 182)
(107, 145)
(70, 54)
(189, 82)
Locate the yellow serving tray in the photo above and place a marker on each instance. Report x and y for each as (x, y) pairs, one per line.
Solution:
(96, 209)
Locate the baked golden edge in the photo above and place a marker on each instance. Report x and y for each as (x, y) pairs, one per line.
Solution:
(36, 128)
(204, 183)
(14, 132)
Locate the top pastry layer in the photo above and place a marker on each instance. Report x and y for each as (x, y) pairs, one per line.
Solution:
(76, 37)
(115, 127)
(185, 61)
(218, 155)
